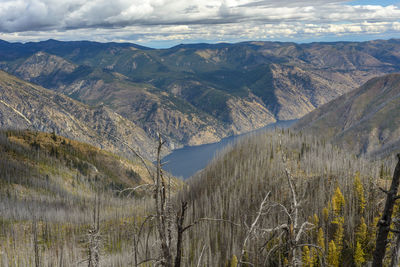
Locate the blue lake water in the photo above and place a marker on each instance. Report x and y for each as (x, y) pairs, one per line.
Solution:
(186, 161)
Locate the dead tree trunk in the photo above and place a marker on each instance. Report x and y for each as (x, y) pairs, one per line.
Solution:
(385, 221)
(35, 244)
(164, 216)
(94, 239)
(252, 229)
(161, 218)
(180, 229)
(396, 251)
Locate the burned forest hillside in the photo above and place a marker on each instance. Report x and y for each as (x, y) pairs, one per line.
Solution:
(51, 186)
(273, 199)
(337, 196)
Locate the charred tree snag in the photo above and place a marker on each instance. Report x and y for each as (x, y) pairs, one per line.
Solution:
(385, 221)
(180, 217)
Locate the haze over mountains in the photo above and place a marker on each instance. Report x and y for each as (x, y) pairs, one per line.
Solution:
(196, 94)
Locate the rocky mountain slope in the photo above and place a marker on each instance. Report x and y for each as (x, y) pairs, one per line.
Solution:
(366, 120)
(27, 106)
(197, 94)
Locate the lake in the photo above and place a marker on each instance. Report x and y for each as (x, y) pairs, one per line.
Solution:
(186, 161)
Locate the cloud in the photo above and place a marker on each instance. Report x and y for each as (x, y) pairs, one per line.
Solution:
(105, 20)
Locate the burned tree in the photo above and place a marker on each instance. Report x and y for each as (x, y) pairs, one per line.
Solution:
(167, 221)
(291, 232)
(94, 237)
(386, 219)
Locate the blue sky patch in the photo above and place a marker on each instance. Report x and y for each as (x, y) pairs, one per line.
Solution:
(375, 2)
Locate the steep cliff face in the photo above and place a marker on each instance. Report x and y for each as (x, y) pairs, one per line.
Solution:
(366, 120)
(195, 94)
(24, 105)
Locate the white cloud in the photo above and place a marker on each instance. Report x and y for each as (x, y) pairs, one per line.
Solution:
(152, 20)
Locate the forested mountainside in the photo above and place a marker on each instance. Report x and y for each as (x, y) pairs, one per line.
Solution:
(196, 94)
(366, 120)
(55, 181)
(338, 198)
(27, 106)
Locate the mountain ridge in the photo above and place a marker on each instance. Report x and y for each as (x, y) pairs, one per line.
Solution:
(199, 93)
(364, 120)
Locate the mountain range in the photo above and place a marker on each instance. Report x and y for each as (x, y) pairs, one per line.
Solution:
(196, 94)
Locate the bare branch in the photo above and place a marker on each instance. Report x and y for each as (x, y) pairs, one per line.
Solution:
(284, 209)
(302, 228)
(270, 252)
(295, 205)
(132, 189)
(138, 236)
(280, 227)
(211, 220)
(252, 227)
(147, 260)
(201, 255)
(136, 154)
(383, 190)
(394, 231)
(268, 240)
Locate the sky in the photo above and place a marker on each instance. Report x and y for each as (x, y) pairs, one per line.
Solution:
(164, 23)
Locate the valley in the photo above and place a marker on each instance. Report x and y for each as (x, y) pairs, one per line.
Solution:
(198, 94)
(187, 161)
